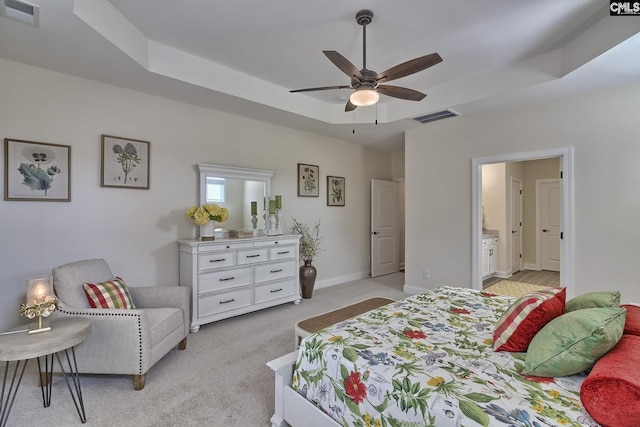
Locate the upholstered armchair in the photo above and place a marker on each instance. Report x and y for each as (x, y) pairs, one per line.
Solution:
(122, 341)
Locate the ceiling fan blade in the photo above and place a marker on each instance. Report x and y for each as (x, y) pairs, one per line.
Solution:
(311, 89)
(350, 106)
(344, 64)
(401, 92)
(409, 67)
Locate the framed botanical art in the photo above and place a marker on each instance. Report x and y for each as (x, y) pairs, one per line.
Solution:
(125, 163)
(36, 171)
(335, 191)
(308, 180)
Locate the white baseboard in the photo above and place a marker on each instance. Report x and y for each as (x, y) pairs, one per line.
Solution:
(502, 274)
(341, 279)
(413, 290)
(527, 266)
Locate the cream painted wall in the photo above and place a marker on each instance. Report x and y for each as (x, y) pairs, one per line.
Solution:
(603, 129)
(397, 172)
(136, 230)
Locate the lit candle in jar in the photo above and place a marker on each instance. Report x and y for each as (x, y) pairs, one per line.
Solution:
(37, 290)
(40, 293)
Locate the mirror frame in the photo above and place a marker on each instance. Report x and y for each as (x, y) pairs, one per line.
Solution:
(233, 172)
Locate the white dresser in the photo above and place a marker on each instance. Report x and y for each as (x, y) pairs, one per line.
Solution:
(229, 277)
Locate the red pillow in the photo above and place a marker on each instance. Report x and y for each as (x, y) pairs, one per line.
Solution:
(526, 316)
(611, 391)
(632, 324)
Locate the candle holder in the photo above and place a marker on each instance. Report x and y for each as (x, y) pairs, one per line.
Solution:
(279, 222)
(254, 221)
(272, 225)
(40, 303)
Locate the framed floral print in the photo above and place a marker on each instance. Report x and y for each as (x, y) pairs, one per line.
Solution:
(36, 171)
(125, 163)
(335, 190)
(308, 180)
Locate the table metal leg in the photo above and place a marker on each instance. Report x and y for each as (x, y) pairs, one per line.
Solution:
(7, 403)
(75, 378)
(46, 379)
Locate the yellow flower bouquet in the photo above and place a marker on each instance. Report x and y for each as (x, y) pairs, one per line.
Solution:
(201, 215)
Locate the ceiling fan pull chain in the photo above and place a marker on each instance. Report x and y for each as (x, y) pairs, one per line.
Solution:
(353, 122)
(376, 114)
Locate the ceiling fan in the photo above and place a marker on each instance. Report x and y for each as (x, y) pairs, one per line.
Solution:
(365, 82)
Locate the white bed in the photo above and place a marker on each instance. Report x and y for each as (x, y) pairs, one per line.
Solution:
(424, 360)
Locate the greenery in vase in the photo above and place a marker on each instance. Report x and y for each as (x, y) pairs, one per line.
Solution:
(208, 212)
(310, 240)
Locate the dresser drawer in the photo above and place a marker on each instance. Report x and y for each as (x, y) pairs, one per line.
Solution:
(219, 303)
(225, 279)
(208, 261)
(253, 256)
(275, 290)
(282, 252)
(275, 271)
(277, 242)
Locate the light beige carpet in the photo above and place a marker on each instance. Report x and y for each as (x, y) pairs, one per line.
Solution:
(220, 380)
(513, 289)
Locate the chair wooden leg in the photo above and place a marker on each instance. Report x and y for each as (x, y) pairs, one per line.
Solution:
(182, 344)
(138, 381)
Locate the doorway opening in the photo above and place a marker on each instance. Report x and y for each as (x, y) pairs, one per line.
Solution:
(566, 261)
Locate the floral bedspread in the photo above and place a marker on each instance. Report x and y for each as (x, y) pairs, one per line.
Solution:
(428, 360)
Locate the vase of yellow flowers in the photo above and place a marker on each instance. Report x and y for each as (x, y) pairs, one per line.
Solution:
(206, 216)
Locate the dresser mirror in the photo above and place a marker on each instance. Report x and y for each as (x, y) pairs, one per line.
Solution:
(235, 188)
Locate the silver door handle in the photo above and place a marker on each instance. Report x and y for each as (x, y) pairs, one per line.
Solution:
(374, 232)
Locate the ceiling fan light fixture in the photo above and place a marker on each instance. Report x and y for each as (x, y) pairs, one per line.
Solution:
(364, 97)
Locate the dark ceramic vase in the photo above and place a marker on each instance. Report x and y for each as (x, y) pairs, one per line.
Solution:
(307, 278)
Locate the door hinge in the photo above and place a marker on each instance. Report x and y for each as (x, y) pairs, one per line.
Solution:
(561, 175)
(520, 192)
(561, 235)
(520, 256)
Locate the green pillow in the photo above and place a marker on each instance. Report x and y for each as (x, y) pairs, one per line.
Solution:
(574, 341)
(594, 299)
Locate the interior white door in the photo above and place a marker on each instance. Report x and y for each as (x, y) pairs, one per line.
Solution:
(549, 223)
(515, 221)
(384, 227)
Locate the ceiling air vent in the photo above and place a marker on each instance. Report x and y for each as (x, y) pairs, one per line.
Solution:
(444, 114)
(21, 11)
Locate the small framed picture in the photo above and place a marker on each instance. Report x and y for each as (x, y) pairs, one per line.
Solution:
(36, 171)
(125, 163)
(308, 180)
(335, 191)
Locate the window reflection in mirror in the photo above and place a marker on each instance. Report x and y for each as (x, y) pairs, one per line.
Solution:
(216, 190)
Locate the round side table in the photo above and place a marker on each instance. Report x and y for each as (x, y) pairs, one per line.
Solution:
(20, 347)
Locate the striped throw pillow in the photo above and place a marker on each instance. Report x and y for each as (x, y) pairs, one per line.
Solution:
(110, 294)
(525, 317)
